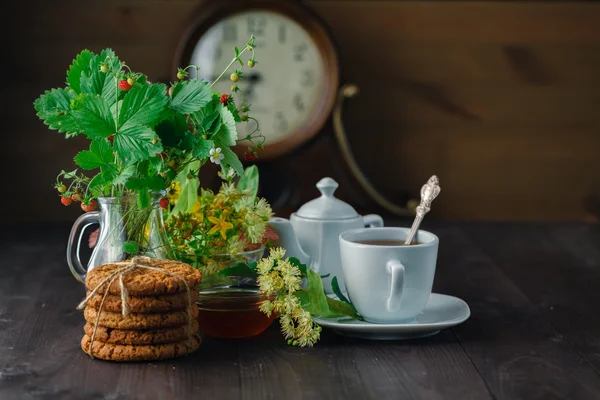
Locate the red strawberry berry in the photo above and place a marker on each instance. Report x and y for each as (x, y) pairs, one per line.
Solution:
(224, 98)
(249, 156)
(90, 206)
(76, 197)
(111, 138)
(164, 203)
(66, 201)
(124, 85)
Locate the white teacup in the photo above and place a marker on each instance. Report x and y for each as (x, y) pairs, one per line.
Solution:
(388, 282)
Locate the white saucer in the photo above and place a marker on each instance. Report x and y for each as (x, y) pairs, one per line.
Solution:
(441, 312)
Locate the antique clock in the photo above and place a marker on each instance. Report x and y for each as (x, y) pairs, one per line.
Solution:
(293, 92)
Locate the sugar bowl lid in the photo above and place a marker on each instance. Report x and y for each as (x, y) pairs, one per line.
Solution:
(327, 206)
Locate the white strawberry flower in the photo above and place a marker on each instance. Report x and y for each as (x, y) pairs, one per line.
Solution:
(216, 156)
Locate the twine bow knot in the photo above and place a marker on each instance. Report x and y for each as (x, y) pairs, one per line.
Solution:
(136, 262)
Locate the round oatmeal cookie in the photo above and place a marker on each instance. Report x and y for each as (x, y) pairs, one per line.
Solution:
(139, 321)
(145, 282)
(137, 337)
(118, 352)
(144, 304)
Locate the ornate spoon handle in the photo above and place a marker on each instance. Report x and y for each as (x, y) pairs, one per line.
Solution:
(429, 191)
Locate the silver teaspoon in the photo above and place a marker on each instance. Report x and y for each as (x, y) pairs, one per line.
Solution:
(429, 191)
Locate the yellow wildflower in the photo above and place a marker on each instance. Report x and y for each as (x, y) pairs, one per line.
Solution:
(198, 211)
(174, 192)
(220, 225)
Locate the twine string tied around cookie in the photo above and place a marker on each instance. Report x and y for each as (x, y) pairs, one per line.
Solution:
(143, 262)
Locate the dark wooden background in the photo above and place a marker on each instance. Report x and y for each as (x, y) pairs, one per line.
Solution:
(500, 99)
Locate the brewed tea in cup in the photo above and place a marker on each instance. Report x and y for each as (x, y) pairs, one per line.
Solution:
(386, 280)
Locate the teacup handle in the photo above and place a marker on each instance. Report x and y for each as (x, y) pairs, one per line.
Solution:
(373, 221)
(74, 244)
(396, 270)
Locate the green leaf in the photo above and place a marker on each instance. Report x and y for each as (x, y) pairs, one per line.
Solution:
(227, 133)
(93, 116)
(124, 175)
(189, 190)
(192, 96)
(172, 130)
(202, 148)
(233, 109)
(80, 64)
(96, 181)
(70, 174)
(316, 295)
(240, 269)
(142, 105)
(335, 286)
(249, 181)
(135, 143)
(207, 118)
(339, 308)
(99, 154)
(109, 172)
(314, 300)
(54, 108)
(131, 247)
(101, 83)
(155, 183)
(237, 52)
(143, 199)
(230, 159)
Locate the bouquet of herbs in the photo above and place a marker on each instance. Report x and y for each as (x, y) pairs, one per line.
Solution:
(226, 223)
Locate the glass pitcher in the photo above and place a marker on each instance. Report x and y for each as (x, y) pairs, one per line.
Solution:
(125, 231)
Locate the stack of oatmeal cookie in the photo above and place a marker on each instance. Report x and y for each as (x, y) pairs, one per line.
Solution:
(162, 315)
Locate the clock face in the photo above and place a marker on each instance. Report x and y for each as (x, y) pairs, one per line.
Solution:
(285, 87)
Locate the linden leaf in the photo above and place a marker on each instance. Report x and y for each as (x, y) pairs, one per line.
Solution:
(248, 182)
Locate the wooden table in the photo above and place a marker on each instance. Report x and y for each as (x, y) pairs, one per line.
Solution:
(534, 332)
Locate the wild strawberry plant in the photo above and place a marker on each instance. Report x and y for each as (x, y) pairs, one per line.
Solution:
(143, 135)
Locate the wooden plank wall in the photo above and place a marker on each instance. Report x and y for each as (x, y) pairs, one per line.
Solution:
(500, 99)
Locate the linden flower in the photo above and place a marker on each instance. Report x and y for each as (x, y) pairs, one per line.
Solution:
(256, 228)
(246, 203)
(216, 156)
(265, 265)
(263, 209)
(220, 225)
(277, 253)
(228, 189)
(174, 192)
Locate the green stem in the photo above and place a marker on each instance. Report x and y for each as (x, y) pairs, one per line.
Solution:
(229, 66)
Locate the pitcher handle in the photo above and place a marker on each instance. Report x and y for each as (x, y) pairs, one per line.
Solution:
(74, 244)
(373, 221)
(396, 270)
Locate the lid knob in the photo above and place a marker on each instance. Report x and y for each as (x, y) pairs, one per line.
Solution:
(326, 206)
(327, 186)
